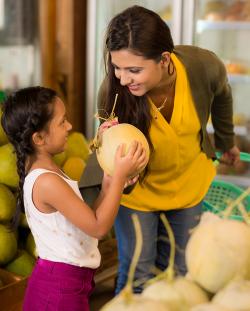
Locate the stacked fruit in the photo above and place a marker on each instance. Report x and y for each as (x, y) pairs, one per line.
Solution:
(73, 159)
(17, 248)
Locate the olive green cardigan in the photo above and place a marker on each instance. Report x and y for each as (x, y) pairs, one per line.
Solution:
(211, 94)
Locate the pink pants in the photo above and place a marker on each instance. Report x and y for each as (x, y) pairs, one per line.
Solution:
(55, 286)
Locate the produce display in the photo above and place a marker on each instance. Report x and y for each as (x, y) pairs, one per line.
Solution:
(221, 11)
(74, 167)
(218, 10)
(126, 300)
(212, 250)
(218, 262)
(236, 67)
(73, 159)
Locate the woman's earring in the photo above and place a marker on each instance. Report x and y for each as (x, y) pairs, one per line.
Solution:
(170, 70)
(163, 59)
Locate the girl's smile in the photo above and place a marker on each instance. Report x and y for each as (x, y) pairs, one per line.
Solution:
(56, 137)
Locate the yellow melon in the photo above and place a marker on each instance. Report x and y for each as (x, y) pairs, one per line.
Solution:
(74, 167)
(77, 146)
(7, 204)
(114, 136)
(8, 168)
(8, 245)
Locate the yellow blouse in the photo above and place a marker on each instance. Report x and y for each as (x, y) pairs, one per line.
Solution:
(179, 172)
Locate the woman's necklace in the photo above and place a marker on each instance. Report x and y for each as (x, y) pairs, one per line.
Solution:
(166, 98)
(163, 104)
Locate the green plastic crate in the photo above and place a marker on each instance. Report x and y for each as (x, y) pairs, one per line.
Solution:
(219, 193)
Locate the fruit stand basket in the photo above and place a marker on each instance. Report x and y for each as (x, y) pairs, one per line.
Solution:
(219, 196)
(12, 291)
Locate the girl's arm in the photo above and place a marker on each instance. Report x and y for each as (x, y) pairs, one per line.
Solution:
(50, 190)
(105, 185)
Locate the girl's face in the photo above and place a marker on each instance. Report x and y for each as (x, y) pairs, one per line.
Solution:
(138, 74)
(58, 130)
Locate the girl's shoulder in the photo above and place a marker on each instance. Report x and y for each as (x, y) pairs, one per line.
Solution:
(49, 182)
(34, 173)
(47, 177)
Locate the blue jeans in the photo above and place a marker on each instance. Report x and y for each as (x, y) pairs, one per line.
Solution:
(155, 251)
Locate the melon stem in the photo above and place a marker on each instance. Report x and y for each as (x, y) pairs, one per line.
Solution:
(244, 213)
(127, 292)
(168, 273)
(112, 115)
(228, 211)
(96, 141)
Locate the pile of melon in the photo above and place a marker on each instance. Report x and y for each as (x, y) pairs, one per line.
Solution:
(17, 249)
(73, 159)
(218, 278)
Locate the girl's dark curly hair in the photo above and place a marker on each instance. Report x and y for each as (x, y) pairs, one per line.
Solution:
(25, 112)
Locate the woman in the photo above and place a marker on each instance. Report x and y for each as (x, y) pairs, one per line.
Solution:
(168, 92)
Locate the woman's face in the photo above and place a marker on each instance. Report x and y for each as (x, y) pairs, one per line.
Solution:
(138, 74)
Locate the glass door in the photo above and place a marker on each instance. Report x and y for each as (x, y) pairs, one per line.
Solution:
(224, 27)
(19, 59)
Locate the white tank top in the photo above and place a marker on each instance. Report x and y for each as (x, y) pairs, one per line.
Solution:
(56, 238)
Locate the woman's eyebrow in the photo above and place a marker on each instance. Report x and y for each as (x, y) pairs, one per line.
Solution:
(131, 67)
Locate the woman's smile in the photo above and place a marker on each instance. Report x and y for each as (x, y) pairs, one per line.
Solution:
(135, 72)
(134, 87)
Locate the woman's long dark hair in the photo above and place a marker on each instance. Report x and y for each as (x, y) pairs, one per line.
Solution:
(25, 112)
(144, 33)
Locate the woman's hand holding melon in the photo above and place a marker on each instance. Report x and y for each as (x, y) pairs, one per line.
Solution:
(131, 181)
(106, 125)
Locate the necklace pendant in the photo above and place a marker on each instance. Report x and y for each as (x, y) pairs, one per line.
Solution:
(163, 104)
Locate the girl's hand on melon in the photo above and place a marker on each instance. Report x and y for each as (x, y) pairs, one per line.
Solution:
(130, 164)
(106, 181)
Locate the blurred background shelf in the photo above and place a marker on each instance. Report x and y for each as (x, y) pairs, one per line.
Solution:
(240, 130)
(239, 78)
(203, 25)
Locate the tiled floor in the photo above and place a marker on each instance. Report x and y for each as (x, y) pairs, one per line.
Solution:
(102, 294)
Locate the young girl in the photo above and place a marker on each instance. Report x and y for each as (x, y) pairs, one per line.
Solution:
(66, 230)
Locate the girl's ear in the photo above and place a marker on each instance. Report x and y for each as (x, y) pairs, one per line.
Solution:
(165, 58)
(38, 139)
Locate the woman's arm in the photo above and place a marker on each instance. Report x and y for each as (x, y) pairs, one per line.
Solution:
(222, 118)
(222, 108)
